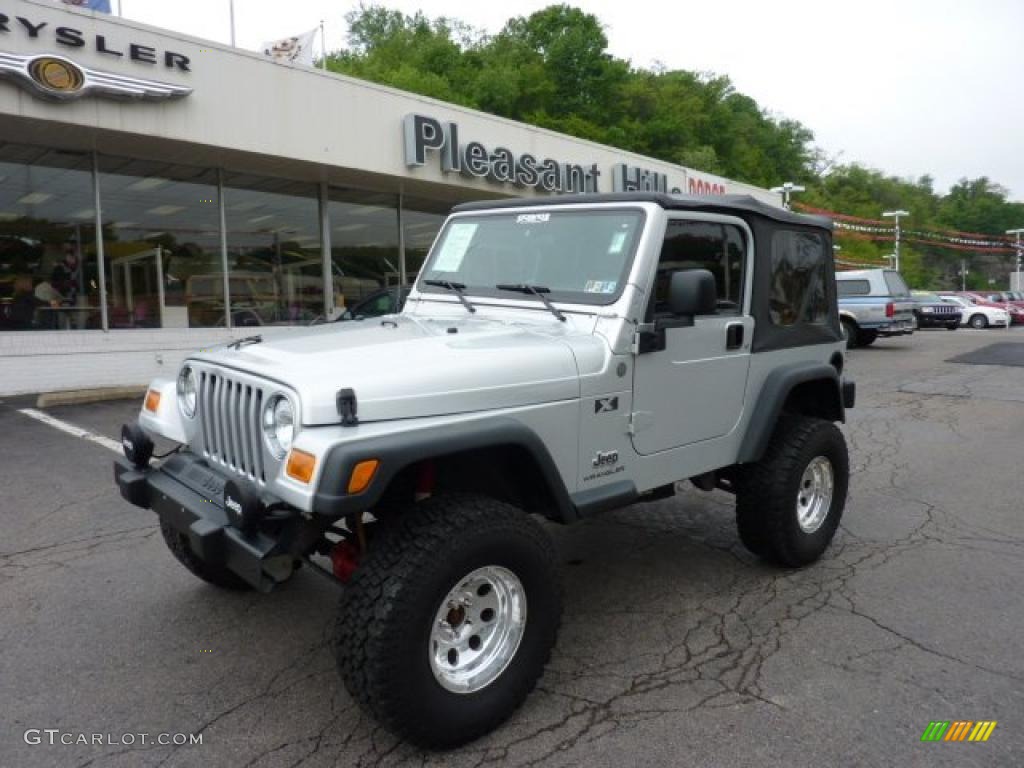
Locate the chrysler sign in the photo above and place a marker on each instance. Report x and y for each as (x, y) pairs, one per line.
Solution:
(56, 77)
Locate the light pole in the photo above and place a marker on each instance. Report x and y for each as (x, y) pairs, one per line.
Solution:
(786, 190)
(231, 8)
(1020, 252)
(896, 215)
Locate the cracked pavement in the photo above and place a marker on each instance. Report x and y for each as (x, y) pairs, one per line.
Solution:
(677, 646)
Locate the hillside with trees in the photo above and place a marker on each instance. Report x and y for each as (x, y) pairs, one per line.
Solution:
(553, 69)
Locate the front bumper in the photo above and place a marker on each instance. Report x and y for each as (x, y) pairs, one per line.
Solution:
(929, 320)
(189, 496)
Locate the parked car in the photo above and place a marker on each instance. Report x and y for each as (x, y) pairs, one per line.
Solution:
(998, 299)
(407, 460)
(975, 314)
(386, 301)
(873, 303)
(932, 312)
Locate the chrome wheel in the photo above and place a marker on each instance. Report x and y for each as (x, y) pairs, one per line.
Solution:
(814, 498)
(477, 629)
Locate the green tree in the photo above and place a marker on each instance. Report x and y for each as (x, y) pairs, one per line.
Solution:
(553, 69)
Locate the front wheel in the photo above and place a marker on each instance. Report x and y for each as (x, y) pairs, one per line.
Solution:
(978, 322)
(789, 504)
(952, 326)
(448, 622)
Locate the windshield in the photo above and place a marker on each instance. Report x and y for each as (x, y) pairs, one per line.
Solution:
(583, 257)
(927, 298)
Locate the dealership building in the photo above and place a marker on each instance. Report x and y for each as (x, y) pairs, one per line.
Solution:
(160, 193)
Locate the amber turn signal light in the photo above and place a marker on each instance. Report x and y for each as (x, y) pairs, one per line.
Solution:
(300, 465)
(362, 475)
(152, 400)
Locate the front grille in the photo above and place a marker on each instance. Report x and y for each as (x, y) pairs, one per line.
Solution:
(940, 309)
(229, 413)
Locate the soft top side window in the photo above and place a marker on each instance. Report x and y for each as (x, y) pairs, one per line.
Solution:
(798, 267)
(716, 247)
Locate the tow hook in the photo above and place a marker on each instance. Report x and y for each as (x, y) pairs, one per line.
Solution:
(344, 560)
(345, 555)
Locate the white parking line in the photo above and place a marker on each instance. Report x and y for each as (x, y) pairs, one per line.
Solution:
(71, 429)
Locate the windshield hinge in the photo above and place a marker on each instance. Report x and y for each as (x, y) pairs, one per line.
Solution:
(641, 329)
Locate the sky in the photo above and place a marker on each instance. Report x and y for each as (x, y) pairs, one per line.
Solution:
(910, 87)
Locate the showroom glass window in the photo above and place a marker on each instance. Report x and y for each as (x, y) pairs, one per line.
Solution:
(798, 294)
(364, 244)
(161, 235)
(275, 259)
(49, 276)
(423, 220)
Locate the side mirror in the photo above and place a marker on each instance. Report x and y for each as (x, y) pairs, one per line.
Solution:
(692, 292)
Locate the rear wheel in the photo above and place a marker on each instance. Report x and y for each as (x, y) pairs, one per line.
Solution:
(448, 622)
(850, 333)
(866, 338)
(978, 322)
(217, 575)
(789, 504)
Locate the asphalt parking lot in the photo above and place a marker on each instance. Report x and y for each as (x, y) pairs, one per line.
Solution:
(677, 647)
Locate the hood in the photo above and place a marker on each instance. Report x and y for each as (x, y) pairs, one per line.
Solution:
(402, 367)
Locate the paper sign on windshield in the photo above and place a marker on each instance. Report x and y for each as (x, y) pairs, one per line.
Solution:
(456, 243)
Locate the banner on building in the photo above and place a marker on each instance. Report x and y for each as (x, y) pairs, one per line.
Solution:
(292, 50)
(103, 6)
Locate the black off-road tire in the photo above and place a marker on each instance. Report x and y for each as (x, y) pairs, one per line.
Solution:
(767, 492)
(952, 326)
(850, 333)
(217, 575)
(866, 338)
(387, 611)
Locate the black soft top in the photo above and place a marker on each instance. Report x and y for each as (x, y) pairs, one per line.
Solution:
(725, 204)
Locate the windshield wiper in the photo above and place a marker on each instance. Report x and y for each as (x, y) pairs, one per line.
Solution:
(456, 288)
(535, 290)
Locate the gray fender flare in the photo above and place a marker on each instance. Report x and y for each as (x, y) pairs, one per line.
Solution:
(398, 451)
(768, 408)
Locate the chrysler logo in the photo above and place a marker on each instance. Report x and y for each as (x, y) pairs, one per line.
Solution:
(58, 78)
(56, 75)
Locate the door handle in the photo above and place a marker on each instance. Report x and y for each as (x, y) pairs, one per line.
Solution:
(734, 336)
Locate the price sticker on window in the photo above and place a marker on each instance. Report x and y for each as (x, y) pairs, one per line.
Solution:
(456, 243)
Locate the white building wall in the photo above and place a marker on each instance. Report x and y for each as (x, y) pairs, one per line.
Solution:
(51, 361)
(243, 105)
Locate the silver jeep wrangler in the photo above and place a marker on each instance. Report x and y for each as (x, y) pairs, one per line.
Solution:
(555, 358)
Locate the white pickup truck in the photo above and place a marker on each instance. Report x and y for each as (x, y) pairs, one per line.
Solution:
(873, 303)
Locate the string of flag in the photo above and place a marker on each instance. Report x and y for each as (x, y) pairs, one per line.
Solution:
(860, 228)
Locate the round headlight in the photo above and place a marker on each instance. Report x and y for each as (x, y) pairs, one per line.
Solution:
(279, 425)
(188, 391)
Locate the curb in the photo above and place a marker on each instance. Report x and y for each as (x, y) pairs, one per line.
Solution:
(83, 396)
